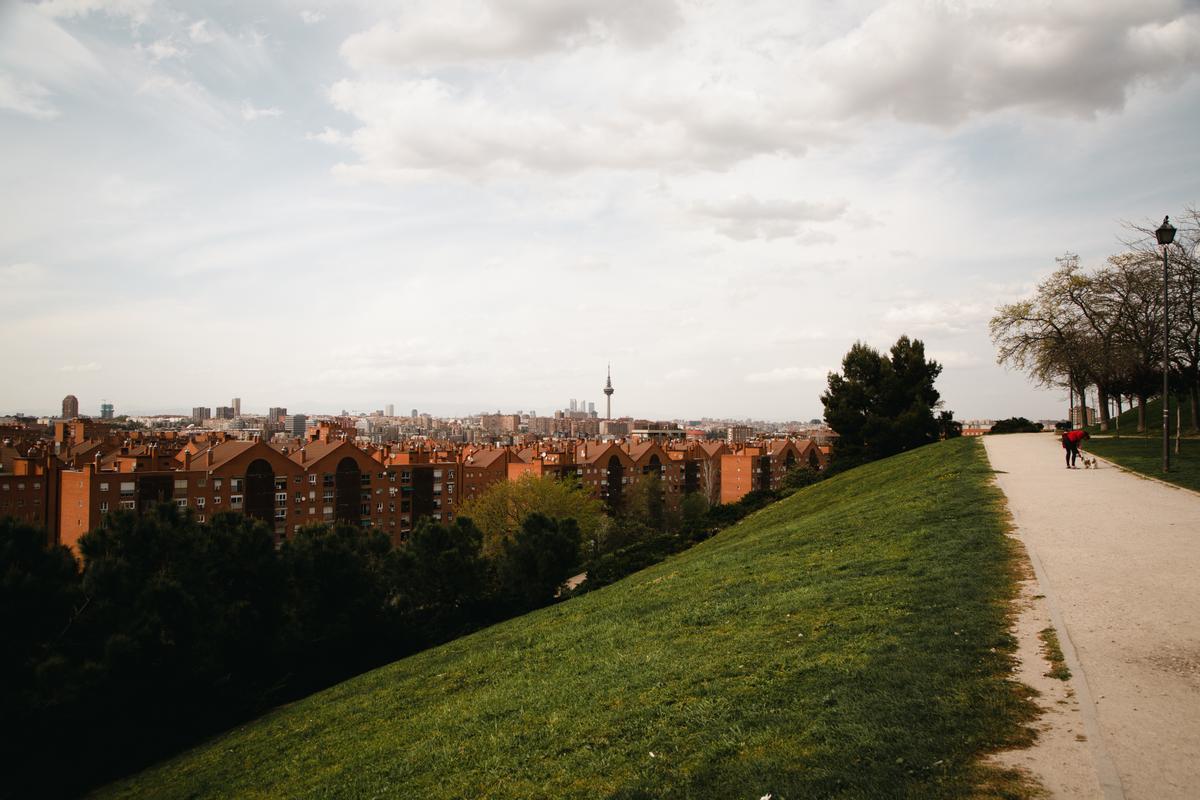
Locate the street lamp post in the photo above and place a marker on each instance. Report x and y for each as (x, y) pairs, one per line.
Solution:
(1165, 235)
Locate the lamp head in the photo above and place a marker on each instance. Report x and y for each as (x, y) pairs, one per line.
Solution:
(1165, 232)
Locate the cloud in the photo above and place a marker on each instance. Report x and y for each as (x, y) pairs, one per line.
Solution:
(90, 366)
(449, 32)
(943, 63)
(199, 33)
(788, 375)
(955, 359)
(250, 113)
(311, 17)
(21, 274)
(135, 10)
(949, 317)
(26, 97)
(745, 217)
(163, 49)
(414, 127)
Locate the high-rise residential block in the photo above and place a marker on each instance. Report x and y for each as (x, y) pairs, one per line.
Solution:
(237, 406)
(106, 411)
(70, 407)
(200, 414)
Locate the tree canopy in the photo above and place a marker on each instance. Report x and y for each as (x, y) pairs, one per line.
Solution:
(881, 405)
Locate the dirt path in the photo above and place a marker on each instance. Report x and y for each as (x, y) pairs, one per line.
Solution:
(1117, 558)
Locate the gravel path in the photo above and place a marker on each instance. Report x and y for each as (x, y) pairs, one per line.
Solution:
(1118, 560)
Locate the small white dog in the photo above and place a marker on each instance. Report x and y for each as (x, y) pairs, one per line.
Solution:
(1090, 463)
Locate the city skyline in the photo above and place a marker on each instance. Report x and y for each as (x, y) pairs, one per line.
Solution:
(474, 204)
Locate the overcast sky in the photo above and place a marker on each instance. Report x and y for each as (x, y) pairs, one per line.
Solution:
(476, 205)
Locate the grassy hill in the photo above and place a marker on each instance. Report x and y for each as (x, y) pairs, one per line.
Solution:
(849, 641)
(1153, 419)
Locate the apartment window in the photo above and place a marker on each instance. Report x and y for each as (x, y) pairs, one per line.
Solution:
(37, 486)
(20, 487)
(235, 484)
(327, 479)
(391, 476)
(299, 479)
(217, 500)
(391, 491)
(437, 488)
(299, 497)
(312, 479)
(181, 502)
(216, 484)
(450, 488)
(181, 485)
(281, 513)
(391, 508)
(405, 476)
(7, 487)
(199, 502)
(281, 498)
(128, 505)
(437, 473)
(202, 482)
(128, 488)
(312, 494)
(327, 494)
(437, 502)
(200, 518)
(103, 506)
(281, 483)
(328, 511)
(379, 508)
(235, 500)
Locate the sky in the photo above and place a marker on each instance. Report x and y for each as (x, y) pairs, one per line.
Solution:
(475, 205)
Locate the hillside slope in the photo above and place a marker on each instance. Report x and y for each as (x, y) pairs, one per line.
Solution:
(849, 641)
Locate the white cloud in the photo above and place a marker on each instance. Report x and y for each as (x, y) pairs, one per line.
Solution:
(135, 10)
(26, 97)
(199, 33)
(311, 17)
(949, 317)
(163, 49)
(21, 274)
(251, 113)
(745, 217)
(955, 359)
(788, 375)
(942, 63)
(451, 32)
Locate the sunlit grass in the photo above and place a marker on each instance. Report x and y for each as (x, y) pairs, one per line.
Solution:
(849, 641)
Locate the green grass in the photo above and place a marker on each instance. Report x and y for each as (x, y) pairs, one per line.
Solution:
(850, 641)
(1128, 419)
(1052, 650)
(1144, 454)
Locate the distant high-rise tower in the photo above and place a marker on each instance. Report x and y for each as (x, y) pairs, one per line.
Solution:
(608, 391)
(237, 406)
(70, 407)
(391, 410)
(106, 411)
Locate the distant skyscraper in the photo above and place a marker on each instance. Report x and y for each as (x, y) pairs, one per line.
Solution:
(391, 410)
(414, 413)
(70, 407)
(608, 393)
(106, 411)
(277, 413)
(201, 413)
(591, 408)
(294, 424)
(574, 404)
(237, 406)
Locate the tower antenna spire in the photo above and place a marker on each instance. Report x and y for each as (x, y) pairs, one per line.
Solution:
(608, 392)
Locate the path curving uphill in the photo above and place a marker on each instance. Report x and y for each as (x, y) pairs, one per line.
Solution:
(1118, 559)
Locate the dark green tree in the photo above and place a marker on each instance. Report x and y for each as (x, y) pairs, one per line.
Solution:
(881, 405)
(537, 561)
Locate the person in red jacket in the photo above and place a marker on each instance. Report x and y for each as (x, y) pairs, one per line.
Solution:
(1070, 442)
